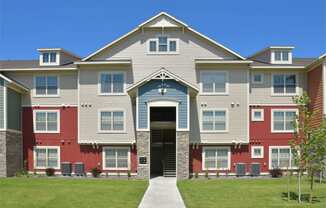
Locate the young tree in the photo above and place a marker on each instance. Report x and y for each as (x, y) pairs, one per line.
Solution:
(308, 144)
(299, 143)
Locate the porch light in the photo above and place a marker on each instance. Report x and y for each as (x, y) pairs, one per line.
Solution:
(162, 90)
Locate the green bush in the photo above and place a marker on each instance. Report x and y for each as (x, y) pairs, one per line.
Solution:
(96, 172)
(276, 173)
(49, 171)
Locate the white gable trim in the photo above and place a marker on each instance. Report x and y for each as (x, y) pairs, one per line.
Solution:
(174, 19)
(157, 73)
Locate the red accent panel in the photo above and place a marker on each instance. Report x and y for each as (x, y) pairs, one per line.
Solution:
(67, 139)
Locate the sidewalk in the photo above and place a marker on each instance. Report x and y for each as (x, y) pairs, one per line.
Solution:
(162, 193)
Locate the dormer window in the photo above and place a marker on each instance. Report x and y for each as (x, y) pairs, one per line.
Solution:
(281, 57)
(162, 45)
(49, 57)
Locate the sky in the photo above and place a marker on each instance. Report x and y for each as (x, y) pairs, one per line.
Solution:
(82, 27)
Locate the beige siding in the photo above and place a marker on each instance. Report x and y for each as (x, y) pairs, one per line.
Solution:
(264, 57)
(143, 64)
(68, 87)
(262, 93)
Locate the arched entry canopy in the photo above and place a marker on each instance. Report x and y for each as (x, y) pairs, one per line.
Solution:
(162, 89)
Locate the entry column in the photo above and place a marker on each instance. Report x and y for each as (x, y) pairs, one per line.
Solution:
(182, 142)
(143, 155)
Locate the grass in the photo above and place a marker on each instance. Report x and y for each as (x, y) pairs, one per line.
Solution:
(247, 193)
(81, 193)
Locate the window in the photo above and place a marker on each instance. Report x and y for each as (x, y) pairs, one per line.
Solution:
(216, 158)
(112, 121)
(214, 82)
(214, 120)
(283, 120)
(46, 121)
(111, 83)
(257, 78)
(46, 86)
(281, 157)
(257, 114)
(284, 84)
(163, 45)
(257, 152)
(281, 56)
(116, 158)
(49, 58)
(46, 157)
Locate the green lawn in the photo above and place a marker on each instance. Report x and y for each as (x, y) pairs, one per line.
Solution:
(81, 193)
(246, 193)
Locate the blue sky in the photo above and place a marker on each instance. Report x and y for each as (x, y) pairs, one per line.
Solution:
(84, 26)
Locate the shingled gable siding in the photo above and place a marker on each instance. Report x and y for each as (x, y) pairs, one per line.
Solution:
(175, 92)
(13, 110)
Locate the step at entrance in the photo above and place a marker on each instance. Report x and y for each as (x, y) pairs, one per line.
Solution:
(169, 168)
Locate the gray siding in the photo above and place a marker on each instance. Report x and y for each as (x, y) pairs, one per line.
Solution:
(182, 64)
(175, 92)
(262, 93)
(2, 105)
(13, 110)
(67, 83)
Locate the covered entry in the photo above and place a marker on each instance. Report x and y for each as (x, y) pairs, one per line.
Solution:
(163, 141)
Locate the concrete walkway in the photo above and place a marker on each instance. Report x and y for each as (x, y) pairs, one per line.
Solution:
(162, 193)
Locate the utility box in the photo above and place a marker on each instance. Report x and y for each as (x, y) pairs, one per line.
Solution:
(255, 169)
(66, 168)
(240, 169)
(79, 169)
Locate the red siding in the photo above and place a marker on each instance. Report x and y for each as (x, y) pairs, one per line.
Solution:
(260, 135)
(71, 151)
(315, 92)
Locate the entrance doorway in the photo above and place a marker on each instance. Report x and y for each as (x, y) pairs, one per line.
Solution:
(163, 141)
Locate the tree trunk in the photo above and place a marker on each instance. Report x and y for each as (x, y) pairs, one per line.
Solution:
(299, 186)
(311, 186)
(288, 185)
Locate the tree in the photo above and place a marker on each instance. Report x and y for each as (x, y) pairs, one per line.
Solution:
(308, 144)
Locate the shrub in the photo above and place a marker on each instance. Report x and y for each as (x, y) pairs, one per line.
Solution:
(129, 174)
(49, 171)
(96, 172)
(206, 174)
(196, 174)
(217, 174)
(276, 173)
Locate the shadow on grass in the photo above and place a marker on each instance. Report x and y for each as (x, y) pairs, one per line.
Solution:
(304, 197)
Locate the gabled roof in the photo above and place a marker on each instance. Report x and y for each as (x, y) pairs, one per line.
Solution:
(14, 84)
(164, 74)
(175, 20)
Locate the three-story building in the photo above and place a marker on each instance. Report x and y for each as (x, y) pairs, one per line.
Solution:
(161, 100)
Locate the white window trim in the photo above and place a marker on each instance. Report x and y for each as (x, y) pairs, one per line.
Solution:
(253, 114)
(253, 152)
(46, 111)
(46, 95)
(99, 130)
(272, 119)
(286, 94)
(253, 78)
(214, 93)
(46, 147)
(115, 148)
(215, 131)
(270, 157)
(157, 46)
(50, 63)
(216, 147)
(274, 61)
(111, 93)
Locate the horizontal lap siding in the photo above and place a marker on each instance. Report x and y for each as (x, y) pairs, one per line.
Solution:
(71, 151)
(315, 92)
(2, 105)
(13, 110)
(175, 92)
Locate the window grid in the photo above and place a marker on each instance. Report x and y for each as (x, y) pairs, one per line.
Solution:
(284, 84)
(111, 83)
(281, 157)
(283, 120)
(216, 158)
(214, 120)
(46, 121)
(112, 121)
(46, 157)
(46, 85)
(116, 158)
(163, 45)
(214, 82)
